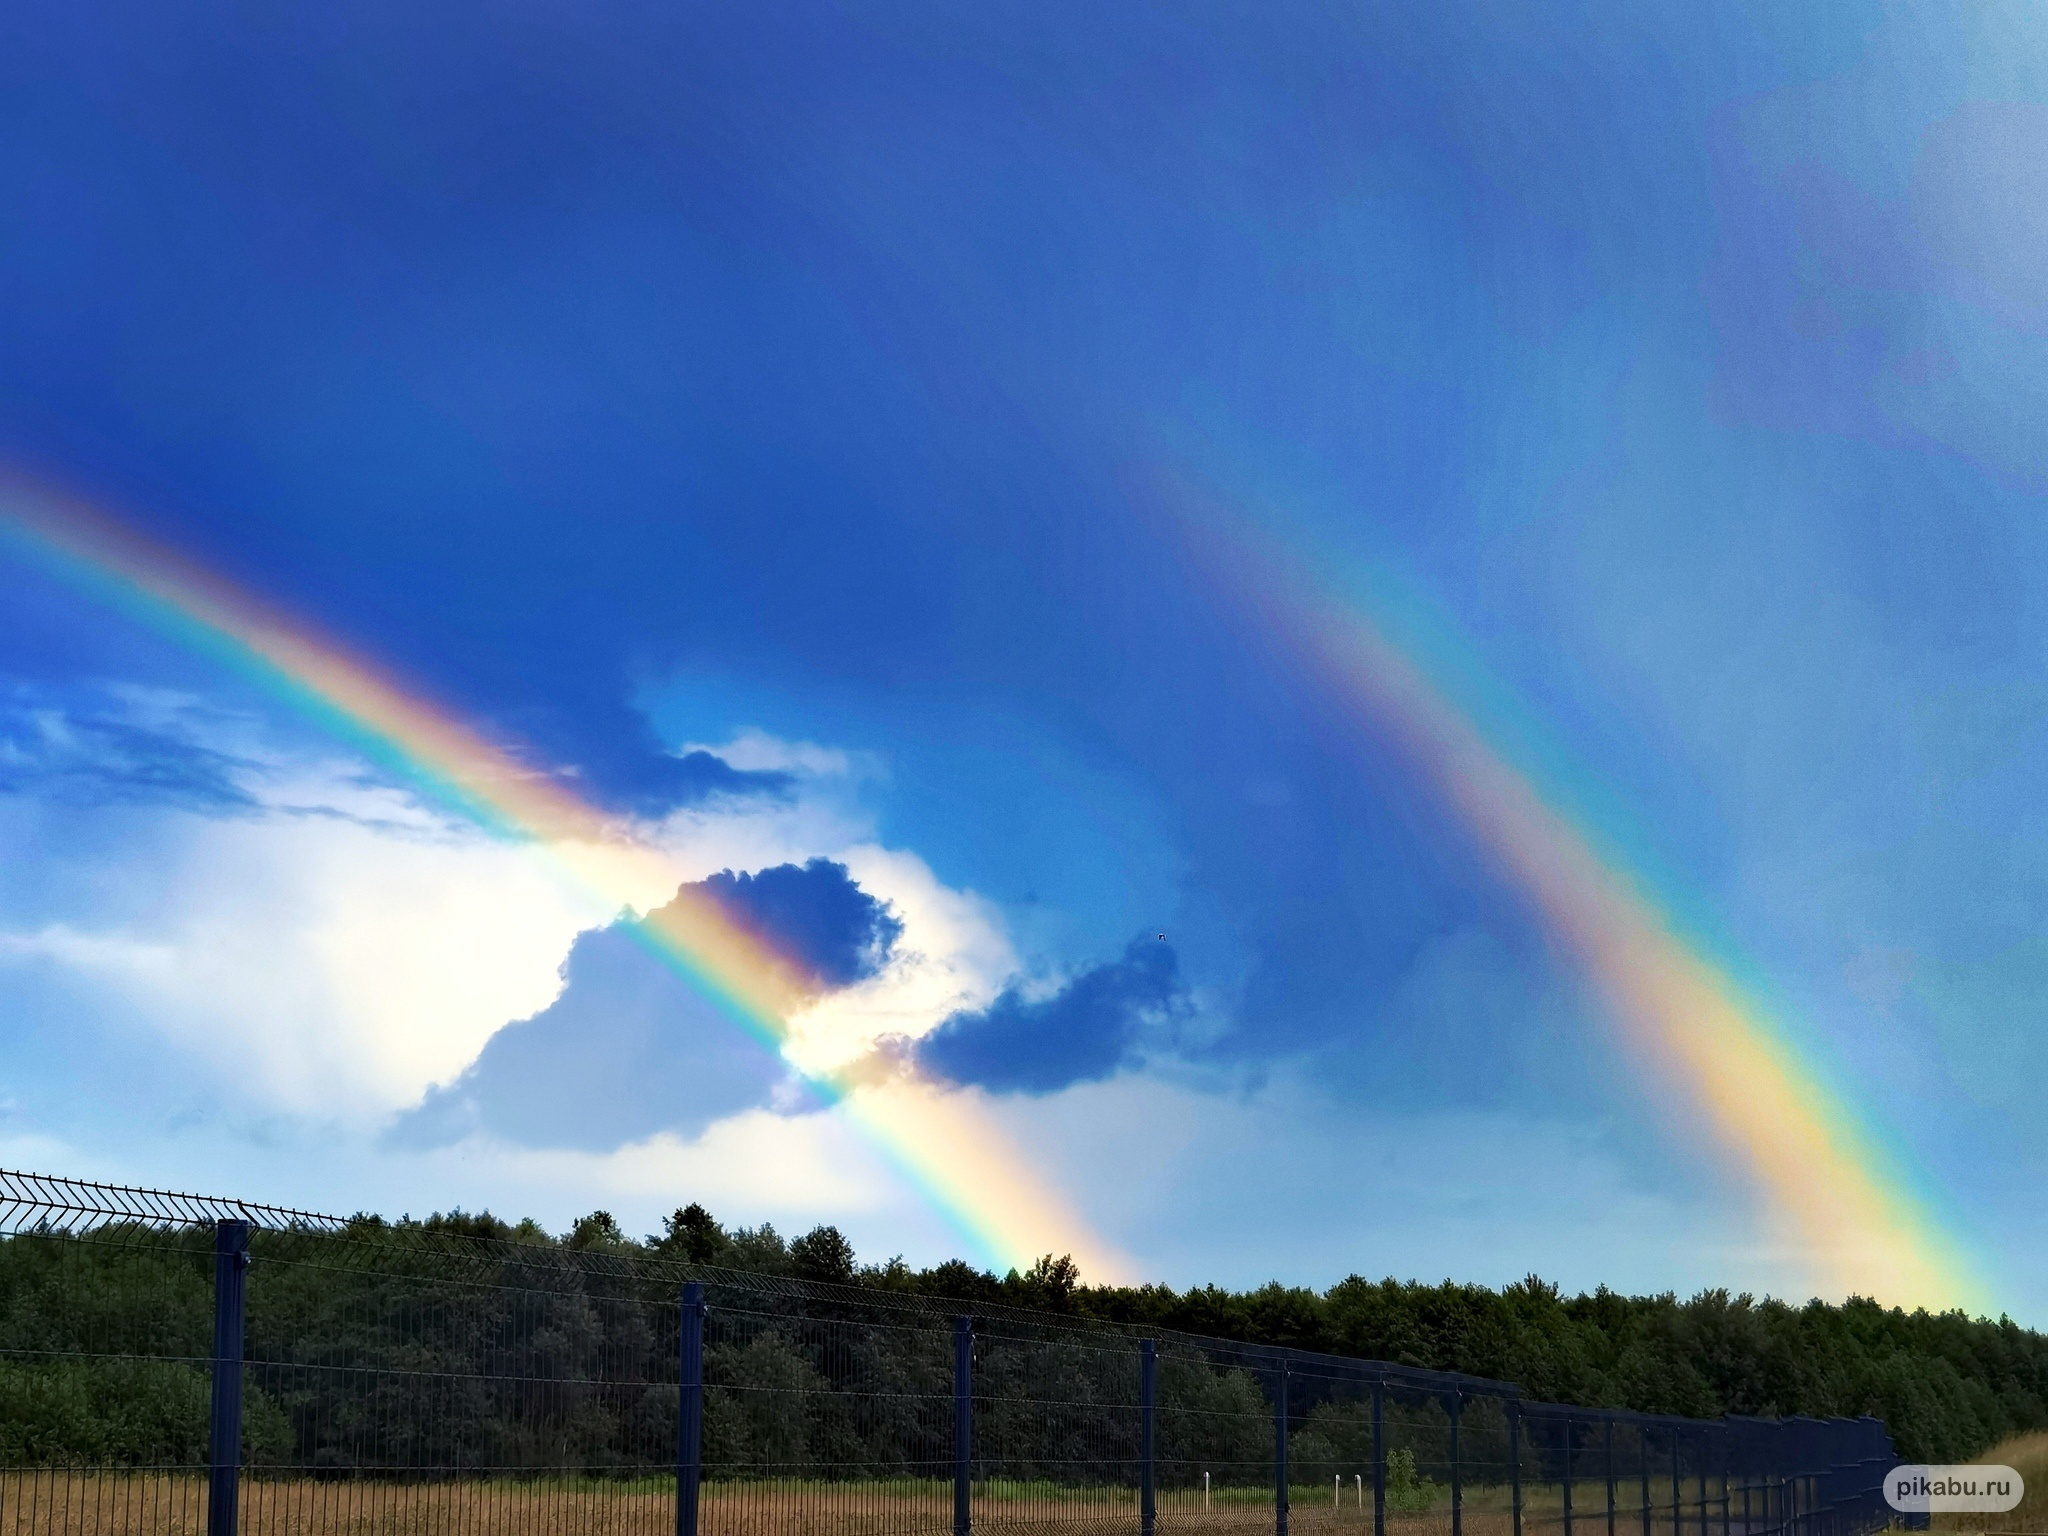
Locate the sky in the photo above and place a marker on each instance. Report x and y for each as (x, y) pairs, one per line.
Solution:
(1275, 605)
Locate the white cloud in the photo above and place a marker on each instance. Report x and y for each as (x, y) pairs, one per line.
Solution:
(754, 751)
(953, 954)
(344, 966)
(327, 940)
(334, 947)
(343, 946)
(810, 1166)
(701, 840)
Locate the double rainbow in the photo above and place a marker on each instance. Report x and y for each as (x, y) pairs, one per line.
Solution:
(1837, 1200)
(1838, 1204)
(942, 1142)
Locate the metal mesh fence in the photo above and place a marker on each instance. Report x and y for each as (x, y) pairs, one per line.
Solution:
(388, 1381)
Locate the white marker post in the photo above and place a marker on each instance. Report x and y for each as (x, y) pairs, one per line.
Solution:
(1205, 1490)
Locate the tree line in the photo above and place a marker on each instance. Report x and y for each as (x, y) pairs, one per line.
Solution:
(385, 1351)
(1946, 1385)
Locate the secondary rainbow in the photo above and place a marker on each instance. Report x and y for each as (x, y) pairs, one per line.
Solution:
(942, 1142)
(1824, 1184)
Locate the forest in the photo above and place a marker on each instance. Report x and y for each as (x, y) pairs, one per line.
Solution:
(464, 1344)
(1945, 1385)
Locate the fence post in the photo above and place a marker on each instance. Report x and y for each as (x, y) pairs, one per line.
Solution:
(224, 1446)
(1567, 1475)
(1515, 1459)
(1747, 1458)
(1727, 1480)
(1609, 1421)
(963, 1423)
(1677, 1491)
(689, 1408)
(1457, 1468)
(1643, 1453)
(1148, 1399)
(1379, 1456)
(1280, 1451)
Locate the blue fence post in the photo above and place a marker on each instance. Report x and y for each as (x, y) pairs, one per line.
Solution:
(224, 1445)
(1777, 1511)
(1379, 1456)
(1148, 1401)
(1567, 1475)
(1609, 1421)
(1727, 1479)
(690, 1409)
(1515, 1459)
(963, 1424)
(1677, 1489)
(1457, 1468)
(1280, 1451)
(1643, 1450)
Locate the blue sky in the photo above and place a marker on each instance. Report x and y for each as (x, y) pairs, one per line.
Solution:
(771, 418)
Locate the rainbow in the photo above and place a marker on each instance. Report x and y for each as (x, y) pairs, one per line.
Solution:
(1824, 1185)
(942, 1142)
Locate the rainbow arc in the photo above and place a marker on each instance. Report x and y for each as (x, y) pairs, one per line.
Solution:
(1789, 1136)
(943, 1141)
(1824, 1186)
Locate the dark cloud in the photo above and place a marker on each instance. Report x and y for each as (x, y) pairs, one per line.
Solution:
(93, 746)
(815, 916)
(91, 754)
(631, 1047)
(1081, 1033)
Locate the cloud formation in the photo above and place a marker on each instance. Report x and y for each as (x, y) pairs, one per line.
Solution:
(114, 747)
(814, 915)
(693, 777)
(631, 1048)
(324, 966)
(1082, 1033)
